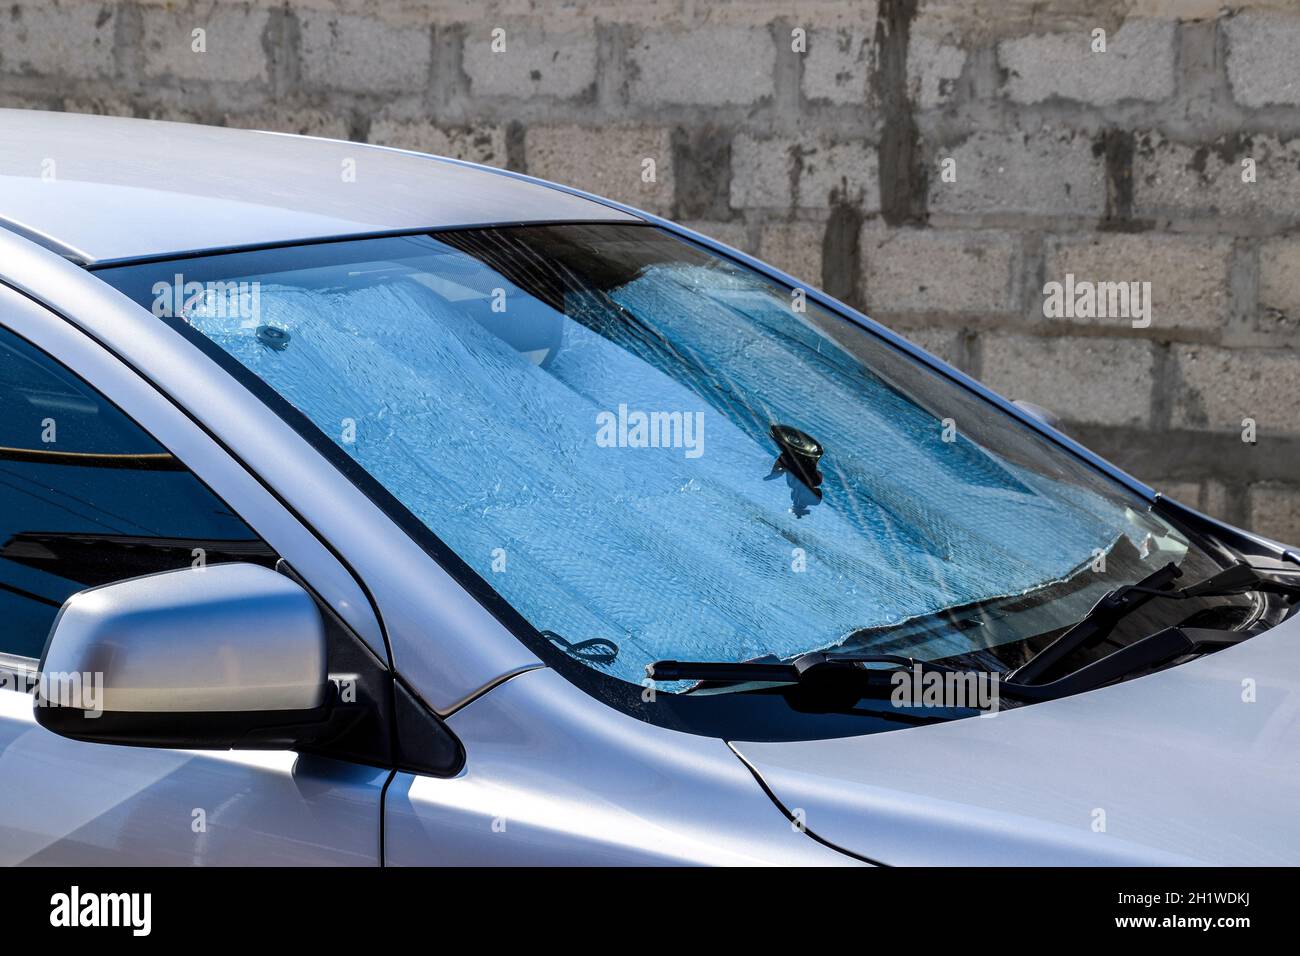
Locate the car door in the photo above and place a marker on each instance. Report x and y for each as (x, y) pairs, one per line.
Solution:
(88, 496)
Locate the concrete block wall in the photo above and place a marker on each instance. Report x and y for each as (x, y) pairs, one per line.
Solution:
(935, 162)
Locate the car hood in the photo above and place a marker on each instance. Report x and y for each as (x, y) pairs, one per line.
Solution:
(1195, 764)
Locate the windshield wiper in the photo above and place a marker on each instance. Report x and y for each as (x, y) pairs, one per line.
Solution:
(823, 681)
(833, 681)
(1098, 622)
(823, 666)
(816, 663)
(1119, 603)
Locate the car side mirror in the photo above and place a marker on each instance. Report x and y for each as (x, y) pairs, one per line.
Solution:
(230, 655)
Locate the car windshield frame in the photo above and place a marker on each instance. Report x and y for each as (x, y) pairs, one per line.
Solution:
(723, 715)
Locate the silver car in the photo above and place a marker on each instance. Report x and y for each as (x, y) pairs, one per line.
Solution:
(364, 507)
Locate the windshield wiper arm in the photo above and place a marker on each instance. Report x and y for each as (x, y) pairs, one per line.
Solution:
(818, 681)
(1117, 604)
(1097, 623)
(839, 680)
(843, 673)
(1237, 579)
(830, 682)
(816, 664)
(820, 663)
(1142, 654)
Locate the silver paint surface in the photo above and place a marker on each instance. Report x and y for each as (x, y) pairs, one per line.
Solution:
(124, 188)
(1175, 767)
(68, 803)
(226, 637)
(555, 777)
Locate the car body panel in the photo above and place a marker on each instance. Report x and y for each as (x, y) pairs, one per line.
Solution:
(69, 803)
(555, 777)
(121, 188)
(1174, 767)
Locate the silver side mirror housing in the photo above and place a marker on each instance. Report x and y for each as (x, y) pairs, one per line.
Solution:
(230, 655)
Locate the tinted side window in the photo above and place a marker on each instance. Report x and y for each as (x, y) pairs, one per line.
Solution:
(88, 498)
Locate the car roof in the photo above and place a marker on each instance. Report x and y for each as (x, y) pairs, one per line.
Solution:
(107, 188)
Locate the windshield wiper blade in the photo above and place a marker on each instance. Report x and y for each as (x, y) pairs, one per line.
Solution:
(832, 682)
(828, 682)
(816, 663)
(839, 680)
(1142, 654)
(819, 681)
(1097, 623)
(1115, 605)
(842, 675)
(1237, 579)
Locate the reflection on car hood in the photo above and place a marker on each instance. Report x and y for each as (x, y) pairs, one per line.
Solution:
(1182, 766)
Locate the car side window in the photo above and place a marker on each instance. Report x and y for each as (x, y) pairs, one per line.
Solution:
(88, 498)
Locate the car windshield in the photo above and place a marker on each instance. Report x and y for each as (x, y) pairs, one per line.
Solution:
(651, 451)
